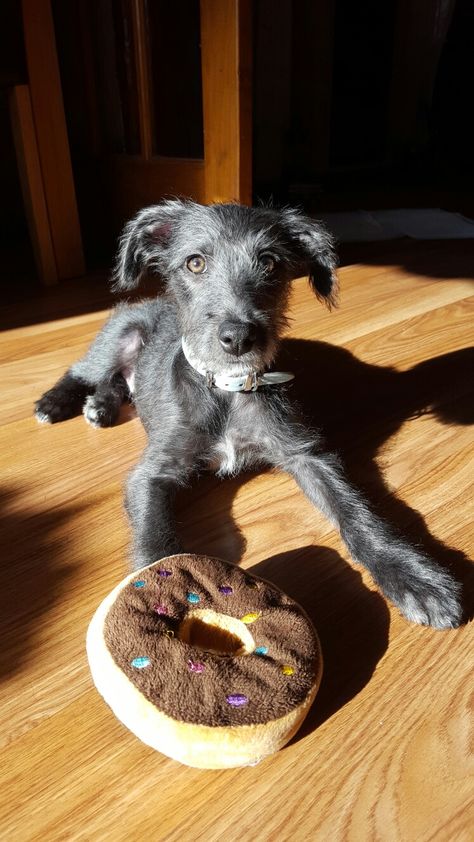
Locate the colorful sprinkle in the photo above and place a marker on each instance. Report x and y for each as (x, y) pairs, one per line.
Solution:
(196, 666)
(261, 650)
(225, 589)
(139, 663)
(193, 597)
(250, 618)
(140, 583)
(164, 573)
(287, 670)
(161, 609)
(237, 700)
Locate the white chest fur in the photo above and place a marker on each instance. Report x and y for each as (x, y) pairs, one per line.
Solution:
(233, 453)
(227, 456)
(244, 441)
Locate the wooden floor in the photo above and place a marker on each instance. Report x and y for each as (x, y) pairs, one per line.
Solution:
(386, 751)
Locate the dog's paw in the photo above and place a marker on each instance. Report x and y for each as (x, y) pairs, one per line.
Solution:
(440, 607)
(424, 593)
(100, 411)
(55, 405)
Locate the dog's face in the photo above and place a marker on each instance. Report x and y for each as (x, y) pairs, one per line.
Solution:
(229, 268)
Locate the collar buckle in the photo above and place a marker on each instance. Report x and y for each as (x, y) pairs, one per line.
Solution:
(251, 382)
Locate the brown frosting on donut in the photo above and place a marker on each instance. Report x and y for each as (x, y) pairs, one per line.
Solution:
(143, 627)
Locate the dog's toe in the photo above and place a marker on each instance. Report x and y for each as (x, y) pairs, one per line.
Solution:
(432, 599)
(439, 611)
(423, 591)
(42, 417)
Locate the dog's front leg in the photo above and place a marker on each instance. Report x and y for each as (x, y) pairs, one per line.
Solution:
(150, 491)
(422, 590)
(96, 384)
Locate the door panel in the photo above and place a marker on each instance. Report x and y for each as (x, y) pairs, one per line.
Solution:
(151, 102)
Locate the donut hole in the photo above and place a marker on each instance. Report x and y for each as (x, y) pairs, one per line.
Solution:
(217, 633)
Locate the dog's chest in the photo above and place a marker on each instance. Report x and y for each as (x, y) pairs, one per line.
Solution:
(232, 453)
(240, 444)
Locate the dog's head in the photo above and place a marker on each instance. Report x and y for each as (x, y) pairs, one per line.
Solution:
(229, 268)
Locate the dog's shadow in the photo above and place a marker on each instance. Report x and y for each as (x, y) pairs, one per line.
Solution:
(358, 407)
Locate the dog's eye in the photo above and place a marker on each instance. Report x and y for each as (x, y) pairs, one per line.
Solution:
(196, 264)
(268, 262)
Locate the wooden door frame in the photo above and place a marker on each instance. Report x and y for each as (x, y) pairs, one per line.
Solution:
(225, 174)
(226, 56)
(50, 135)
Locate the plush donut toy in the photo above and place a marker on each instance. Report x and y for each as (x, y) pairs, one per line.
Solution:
(208, 664)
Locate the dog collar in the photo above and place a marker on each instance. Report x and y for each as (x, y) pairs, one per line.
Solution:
(247, 382)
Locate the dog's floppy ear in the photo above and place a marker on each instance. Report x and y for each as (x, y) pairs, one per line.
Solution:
(313, 247)
(143, 243)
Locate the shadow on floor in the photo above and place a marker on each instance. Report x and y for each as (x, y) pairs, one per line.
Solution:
(432, 259)
(352, 622)
(33, 577)
(358, 407)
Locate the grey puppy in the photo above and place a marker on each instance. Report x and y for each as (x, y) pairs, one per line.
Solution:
(197, 362)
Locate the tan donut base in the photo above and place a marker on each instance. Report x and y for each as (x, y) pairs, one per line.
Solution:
(200, 746)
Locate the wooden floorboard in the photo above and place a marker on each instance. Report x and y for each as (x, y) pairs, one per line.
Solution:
(386, 752)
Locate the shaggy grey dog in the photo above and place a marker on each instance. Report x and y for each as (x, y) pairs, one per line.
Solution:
(197, 362)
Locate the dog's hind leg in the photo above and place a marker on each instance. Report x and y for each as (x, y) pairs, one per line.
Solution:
(100, 382)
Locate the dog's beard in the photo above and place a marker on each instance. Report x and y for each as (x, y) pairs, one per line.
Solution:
(203, 343)
(210, 357)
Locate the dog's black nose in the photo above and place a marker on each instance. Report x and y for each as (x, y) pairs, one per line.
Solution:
(237, 337)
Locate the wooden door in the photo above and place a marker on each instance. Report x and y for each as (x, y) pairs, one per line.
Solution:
(142, 174)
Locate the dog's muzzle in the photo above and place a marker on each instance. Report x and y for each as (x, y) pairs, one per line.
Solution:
(248, 382)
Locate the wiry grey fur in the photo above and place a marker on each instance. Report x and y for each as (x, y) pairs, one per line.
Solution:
(232, 316)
